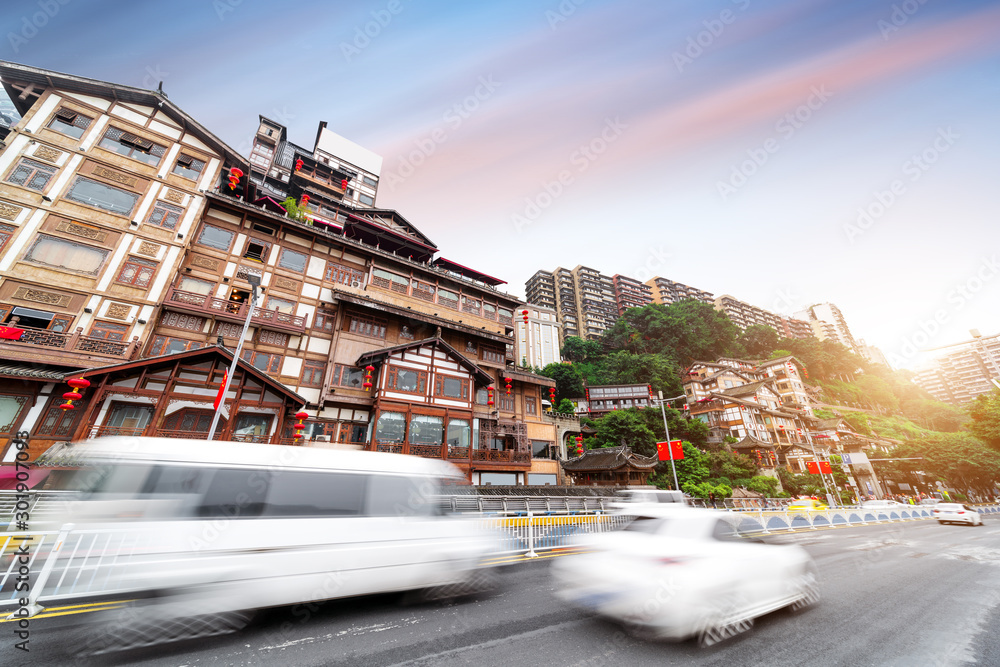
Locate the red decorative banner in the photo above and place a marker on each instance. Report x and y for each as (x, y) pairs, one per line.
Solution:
(11, 333)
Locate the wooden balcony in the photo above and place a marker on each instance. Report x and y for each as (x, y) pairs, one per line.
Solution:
(46, 346)
(233, 311)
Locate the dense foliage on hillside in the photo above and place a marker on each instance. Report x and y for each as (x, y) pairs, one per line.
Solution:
(654, 344)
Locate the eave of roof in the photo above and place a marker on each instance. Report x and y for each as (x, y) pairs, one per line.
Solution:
(10, 71)
(481, 376)
(449, 265)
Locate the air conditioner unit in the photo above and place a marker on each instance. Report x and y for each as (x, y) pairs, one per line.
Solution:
(356, 283)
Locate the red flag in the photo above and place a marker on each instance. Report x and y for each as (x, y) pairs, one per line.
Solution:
(222, 388)
(667, 451)
(824, 467)
(812, 467)
(11, 333)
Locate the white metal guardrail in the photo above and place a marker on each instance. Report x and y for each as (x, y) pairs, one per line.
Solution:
(71, 563)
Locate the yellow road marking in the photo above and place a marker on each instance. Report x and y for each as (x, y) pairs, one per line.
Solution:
(76, 609)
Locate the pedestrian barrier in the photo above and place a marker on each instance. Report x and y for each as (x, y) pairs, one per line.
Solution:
(71, 563)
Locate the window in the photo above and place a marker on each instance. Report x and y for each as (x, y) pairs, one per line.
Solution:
(369, 181)
(62, 254)
(262, 154)
(390, 427)
(138, 272)
(256, 250)
(59, 422)
(133, 146)
(347, 376)
(390, 281)
(325, 320)
(345, 275)
(170, 345)
(366, 200)
(493, 354)
(482, 395)
(312, 373)
(234, 493)
(530, 405)
(99, 195)
(470, 305)
(426, 430)
(407, 379)
(268, 363)
(108, 331)
(448, 298)
(353, 432)
(32, 175)
(165, 215)
(6, 231)
(489, 311)
(69, 122)
(424, 291)
(280, 305)
(391, 495)
(10, 409)
(195, 286)
(38, 319)
(459, 432)
(184, 321)
(305, 493)
(451, 387)
(188, 166)
(367, 326)
(293, 261)
(213, 237)
(505, 402)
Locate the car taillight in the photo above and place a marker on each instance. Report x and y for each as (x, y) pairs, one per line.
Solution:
(935, 511)
(960, 512)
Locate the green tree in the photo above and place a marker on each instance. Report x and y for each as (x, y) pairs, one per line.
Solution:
(566, 407)
(692, 469)
(579, 349)
(759, 340)
(628, 426)
(763, 484)
(569, 383)
(732, 468)
(985, 419)
(657, 370)
(291, 206)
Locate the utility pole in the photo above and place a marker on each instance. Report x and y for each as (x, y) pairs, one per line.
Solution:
(254, 284)
(666, 429)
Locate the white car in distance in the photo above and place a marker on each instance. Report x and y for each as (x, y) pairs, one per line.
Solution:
(956, 513)
(674, 575)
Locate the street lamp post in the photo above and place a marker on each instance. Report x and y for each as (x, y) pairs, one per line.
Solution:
(829, 496)
(663, 410)
(254, 284)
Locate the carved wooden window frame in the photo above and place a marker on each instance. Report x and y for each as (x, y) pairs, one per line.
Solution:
(143, 269)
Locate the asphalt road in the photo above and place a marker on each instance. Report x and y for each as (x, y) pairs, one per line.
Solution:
(907, 594)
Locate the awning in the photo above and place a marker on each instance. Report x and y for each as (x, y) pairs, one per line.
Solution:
(449, 265)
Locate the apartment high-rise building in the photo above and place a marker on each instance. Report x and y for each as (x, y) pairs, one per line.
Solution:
(794, 328)
(584, 299)
(541, 289)
(963, 370)
(630, 293)
(830, 314)
(872, 353)
(666, 291)
(744, 314)
(538, 339)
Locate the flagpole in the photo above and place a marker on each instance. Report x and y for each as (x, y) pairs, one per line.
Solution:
(254, 282)
(666, 428)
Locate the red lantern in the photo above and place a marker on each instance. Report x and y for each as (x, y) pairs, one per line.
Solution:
(579, 445)
(235, 174)
(508, 381)
(70, 396)
(305, 200)
(525, 314)
(489, 396)
(300, 415)
(298, 164)
(343, 184)
(367, 384)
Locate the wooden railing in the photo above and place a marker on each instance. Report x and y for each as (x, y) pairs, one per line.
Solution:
(236, 310)
(76, 342)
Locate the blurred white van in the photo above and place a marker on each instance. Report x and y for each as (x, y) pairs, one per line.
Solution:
(214, 529)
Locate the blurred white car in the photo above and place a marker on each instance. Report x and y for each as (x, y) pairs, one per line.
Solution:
(679, 574)
(210, 532)
(882, 505)
(956, 513)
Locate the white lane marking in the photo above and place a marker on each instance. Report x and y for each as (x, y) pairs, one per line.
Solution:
(356, 631)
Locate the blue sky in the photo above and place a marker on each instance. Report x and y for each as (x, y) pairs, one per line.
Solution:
(784, 152)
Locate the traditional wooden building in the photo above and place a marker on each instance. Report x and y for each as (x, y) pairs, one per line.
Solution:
(610, 466)
(344, 285)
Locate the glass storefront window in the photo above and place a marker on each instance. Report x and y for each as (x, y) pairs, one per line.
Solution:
(459, 432)
(391, 427)
(426, 430)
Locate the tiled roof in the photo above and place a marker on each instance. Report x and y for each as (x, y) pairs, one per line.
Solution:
(747, 389)
(32, 373)
(750, 442)
(609, 458)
